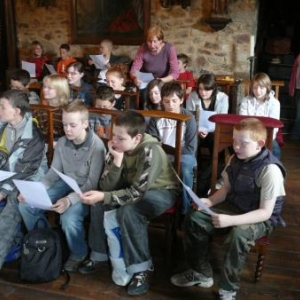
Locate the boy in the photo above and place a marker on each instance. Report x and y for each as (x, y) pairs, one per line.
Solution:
(20, 80)
(21, 151)
(165, 130)
(79, 154)
(139, 179)
(101, 124)
(247, 207)
(65, 59)
(184, 74)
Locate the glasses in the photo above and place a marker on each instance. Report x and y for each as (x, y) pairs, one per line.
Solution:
(73, 73)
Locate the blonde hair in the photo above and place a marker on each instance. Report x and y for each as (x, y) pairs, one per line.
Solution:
(155, 31)
(262, 79)
(256, 128)
(61, 86)
(77, 106)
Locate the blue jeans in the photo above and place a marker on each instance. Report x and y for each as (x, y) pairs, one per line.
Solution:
(133, 219)
(188, 162)
(71, 220)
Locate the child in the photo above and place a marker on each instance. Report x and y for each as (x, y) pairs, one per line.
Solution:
(21, 151)
(165, 129)
(102, 124)
(115, 78)
(65, 59)
(79, 89)
(154, 95)
(184, 74)
(20, 80)
(105, 49)
(80, 154)
(208, 98)
(38, 57)
(262, 102)
(248, 207)
(139, 180)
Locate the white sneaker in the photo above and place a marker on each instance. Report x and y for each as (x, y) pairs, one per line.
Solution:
(190, 278)
(227, 295)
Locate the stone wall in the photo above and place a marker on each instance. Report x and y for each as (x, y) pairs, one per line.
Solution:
(222, 52)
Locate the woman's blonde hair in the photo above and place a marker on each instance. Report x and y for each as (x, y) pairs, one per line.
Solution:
(61, 86)
(262, 79)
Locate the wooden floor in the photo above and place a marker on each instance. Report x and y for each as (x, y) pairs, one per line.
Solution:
(281, 276)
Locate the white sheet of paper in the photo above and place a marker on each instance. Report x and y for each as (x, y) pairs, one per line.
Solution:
(145, 78)
(204, 123)
(34, 193)
(51, 69)
(5, 174)
(195, 198)
(69, 181)
(99, 61)
(30, 67)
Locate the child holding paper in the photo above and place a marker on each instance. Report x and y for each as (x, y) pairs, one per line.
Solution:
(247, 207)
(80, 154)
(21, 151)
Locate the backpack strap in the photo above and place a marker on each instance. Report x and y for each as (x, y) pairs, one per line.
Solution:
(66, 274)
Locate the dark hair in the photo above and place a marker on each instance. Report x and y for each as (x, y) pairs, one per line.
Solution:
(78, 66)
(209, 82)
(152, 84)
(65, 46)
(17, 99)
(133, 121)
(170, 88)
(21, 75)
(183, 57)
(105, 92)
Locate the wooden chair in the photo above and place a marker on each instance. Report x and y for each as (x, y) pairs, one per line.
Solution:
(223, 140)
(49, 111)
(134, 94)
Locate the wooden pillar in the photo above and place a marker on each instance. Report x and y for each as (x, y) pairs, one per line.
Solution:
(11, 38)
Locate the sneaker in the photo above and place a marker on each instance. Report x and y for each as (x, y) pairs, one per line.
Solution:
(72, 265)
(139, 283)
(190, 278)
(227, 295)
(91, 266)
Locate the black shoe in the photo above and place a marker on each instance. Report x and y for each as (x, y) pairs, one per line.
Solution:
(139, 283)
(72, 265)
(91, 266)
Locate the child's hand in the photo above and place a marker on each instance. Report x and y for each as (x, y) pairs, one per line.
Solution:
(21, 198)
(61, 205)
(203, 134)
(91, 197)
(118, 156)
(221, 221)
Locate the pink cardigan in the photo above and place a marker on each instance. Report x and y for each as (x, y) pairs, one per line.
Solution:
(294, 80)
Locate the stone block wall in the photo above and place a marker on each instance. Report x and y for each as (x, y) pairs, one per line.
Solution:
(222, 52)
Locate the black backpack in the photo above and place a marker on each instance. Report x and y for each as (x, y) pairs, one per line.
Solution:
(43, 253)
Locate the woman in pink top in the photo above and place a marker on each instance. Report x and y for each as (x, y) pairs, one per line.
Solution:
(157, 57)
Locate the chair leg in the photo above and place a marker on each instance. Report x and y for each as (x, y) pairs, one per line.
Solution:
(170, 236)
(261, 247)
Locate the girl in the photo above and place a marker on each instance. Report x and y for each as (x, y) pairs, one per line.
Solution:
(78, 87)
(115, 78)
(262, 102)
(154, 95)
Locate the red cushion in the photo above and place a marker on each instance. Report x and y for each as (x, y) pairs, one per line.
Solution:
(234, 119)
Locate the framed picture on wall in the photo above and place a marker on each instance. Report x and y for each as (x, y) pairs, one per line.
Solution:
(125, 22)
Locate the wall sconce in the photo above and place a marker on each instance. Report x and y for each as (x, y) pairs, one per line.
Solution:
(168, 3)
(218, 19)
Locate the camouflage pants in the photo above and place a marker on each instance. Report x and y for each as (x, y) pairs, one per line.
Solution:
(10, 219)
(239, 240)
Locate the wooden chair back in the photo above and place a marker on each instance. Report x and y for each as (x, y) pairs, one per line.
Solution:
(129, 95)
(223, 136)
(49, 111)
